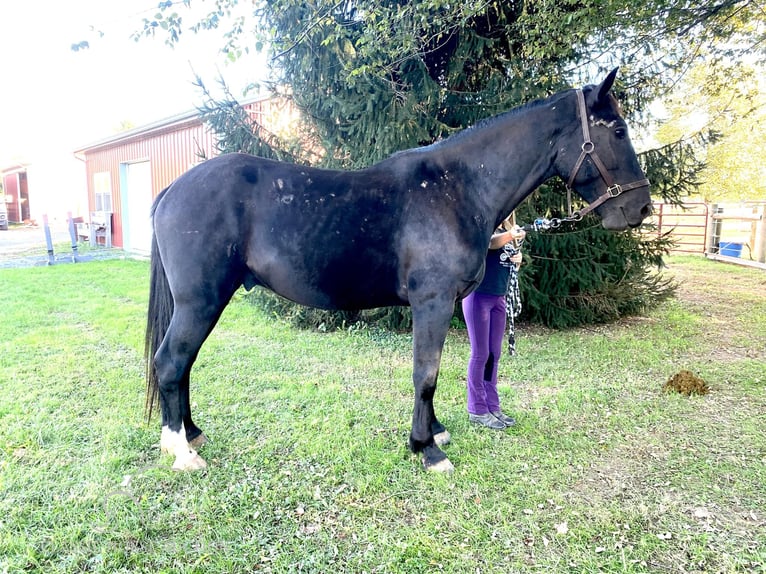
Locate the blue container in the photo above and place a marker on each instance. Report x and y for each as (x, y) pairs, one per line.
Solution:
(730, 249)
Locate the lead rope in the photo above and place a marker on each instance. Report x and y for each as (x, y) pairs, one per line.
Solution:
(512, 293)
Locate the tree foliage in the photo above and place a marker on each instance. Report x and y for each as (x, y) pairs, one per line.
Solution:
(446, 64)
(376, 77)
(734, 114)
(580, 273)
(237, 131)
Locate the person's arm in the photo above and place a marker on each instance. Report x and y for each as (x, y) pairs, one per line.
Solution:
(499, 239)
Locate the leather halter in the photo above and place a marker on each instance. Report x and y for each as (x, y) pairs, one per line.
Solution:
(589, 150)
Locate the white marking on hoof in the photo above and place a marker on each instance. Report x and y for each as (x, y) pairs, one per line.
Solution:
(167, 440)
(442, 438)
(189, 461)
(444, 466)
(174, 443)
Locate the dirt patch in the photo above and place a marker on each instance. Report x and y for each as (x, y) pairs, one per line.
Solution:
(18, 241)
(718, 293)
(729, 298)
(27, 247)
(693, 476)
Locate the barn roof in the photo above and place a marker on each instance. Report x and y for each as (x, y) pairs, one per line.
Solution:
(171, 123)
(13, 168)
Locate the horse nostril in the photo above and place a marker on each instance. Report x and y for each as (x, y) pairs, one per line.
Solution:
(646, 210)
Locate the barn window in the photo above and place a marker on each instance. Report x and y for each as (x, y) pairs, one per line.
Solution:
(102, 185)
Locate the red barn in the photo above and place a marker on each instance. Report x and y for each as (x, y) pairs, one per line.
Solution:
(16, 192)
(125, 172)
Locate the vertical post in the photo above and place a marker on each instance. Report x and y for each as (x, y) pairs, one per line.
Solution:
(706, 213)
(48, 240)
(73, 235)
(91, 231)
(659, 220)
(759, 251)
(108, 232)
(713, 229)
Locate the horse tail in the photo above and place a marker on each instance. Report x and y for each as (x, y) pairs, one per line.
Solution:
(158, 319)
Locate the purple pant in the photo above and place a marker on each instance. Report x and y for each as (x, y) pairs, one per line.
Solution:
(485, 319)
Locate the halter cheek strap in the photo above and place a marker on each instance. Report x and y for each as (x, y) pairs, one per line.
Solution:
(588, 149)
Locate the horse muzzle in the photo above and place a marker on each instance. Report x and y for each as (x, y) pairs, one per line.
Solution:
(621, 217)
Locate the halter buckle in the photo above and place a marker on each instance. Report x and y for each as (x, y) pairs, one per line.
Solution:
(614, 190)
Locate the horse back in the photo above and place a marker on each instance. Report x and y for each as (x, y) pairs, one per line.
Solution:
(324, 238)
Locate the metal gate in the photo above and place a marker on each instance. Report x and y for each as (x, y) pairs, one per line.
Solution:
(687, 225)
(705, 229)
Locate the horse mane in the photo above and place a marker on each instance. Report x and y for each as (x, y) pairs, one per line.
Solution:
(518, 110)
(482, 124)
(499, 118)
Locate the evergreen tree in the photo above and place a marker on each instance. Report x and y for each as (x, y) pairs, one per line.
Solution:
(376, 77)
(575, 274)
(580, 273)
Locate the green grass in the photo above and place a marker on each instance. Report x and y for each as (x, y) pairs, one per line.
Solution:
(309, 470)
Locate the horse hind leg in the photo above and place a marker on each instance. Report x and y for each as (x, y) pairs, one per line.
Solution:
(175, 444)
(194, 435)
(173, 362)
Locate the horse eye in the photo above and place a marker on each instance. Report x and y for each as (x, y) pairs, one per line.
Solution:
(621, 133)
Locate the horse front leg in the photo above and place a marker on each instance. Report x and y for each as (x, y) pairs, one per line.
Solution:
(440, 432)
(430, 324)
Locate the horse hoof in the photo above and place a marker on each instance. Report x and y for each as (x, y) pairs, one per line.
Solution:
(442, 438)
(190, 461)
(198, 441)
(443, 466)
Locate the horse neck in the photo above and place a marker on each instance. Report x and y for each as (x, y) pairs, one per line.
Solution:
(510, 156)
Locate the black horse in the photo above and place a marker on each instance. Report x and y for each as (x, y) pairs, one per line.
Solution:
(369, 238)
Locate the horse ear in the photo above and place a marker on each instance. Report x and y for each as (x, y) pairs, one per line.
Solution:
(606, 85)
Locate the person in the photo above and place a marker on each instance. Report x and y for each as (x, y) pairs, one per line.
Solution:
(485, 317)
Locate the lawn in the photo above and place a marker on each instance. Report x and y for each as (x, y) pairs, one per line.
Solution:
(309, 470)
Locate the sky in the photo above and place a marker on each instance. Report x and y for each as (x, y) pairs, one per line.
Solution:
(54, 100)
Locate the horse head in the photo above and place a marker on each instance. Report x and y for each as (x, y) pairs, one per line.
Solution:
(597, 160)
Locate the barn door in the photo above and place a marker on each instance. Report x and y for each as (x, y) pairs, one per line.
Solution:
(137, 201)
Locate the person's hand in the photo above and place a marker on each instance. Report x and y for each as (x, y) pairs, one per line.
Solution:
(501, 237)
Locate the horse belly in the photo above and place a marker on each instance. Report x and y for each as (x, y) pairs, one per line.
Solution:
(353, 285)
(318, 277)
(323, 260)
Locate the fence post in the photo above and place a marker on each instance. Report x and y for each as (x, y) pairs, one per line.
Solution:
(73, 235)
(659, 221)
(759, 249)
(91, 231)
(48, 240)
(713, 229)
